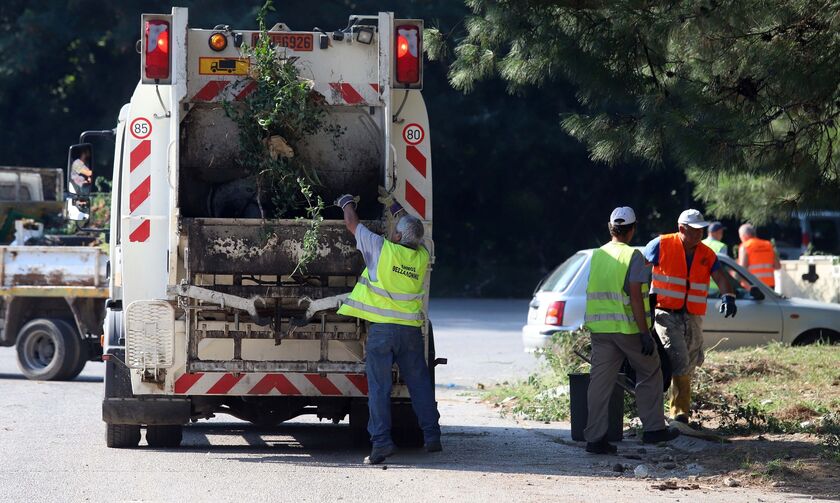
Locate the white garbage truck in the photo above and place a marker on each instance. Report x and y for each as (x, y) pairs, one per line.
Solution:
(206, 315)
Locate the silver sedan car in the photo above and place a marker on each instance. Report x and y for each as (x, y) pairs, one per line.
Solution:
(763, 315)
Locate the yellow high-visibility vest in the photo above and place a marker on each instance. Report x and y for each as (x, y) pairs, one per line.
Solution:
(397, 294)
(608, 307)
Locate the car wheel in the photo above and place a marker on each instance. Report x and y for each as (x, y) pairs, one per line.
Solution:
(817, 336)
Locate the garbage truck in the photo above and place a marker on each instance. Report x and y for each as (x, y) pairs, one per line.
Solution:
(207, 314)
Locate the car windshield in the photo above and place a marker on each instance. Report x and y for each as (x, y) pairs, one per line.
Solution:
(560, 278)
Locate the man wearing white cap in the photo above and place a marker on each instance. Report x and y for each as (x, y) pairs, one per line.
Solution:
(618, 315)
(682, 269)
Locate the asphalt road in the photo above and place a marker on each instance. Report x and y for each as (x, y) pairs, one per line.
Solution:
(52, 445)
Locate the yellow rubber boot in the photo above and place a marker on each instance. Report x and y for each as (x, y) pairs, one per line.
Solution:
(681, 397)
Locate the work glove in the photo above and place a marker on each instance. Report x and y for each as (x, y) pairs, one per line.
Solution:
(346, 199)
(728, 308)
(648, 346)
(387, 200)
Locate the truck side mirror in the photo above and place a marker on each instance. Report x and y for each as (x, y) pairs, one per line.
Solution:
(79, 182)
(79, 171)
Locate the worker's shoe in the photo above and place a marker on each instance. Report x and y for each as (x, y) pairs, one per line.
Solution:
(434, 446)
(378, 454)
(601, 447)
(663, 435)
(681, 396)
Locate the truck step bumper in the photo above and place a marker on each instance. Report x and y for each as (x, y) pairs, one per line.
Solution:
(157, 411)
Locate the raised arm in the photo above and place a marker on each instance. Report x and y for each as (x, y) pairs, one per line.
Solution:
(348, 204)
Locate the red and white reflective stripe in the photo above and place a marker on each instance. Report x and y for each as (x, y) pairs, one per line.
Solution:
(345, 93)
(225, 90)
(284, 384)
(140, 183)
(413, 196)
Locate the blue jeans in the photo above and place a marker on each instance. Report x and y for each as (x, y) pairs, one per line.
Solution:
(388, 343)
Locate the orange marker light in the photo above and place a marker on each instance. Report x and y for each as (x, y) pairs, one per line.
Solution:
(218, 42)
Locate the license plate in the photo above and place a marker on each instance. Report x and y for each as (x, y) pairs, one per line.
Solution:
(294, 41)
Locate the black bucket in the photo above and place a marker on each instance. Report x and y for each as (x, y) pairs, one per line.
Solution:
(578, 388)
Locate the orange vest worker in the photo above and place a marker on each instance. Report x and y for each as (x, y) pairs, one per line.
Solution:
(674, 286)
(760, 259)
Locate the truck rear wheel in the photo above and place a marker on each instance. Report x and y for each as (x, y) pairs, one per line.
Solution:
(122, 436)
(48, 350)
(168, 435)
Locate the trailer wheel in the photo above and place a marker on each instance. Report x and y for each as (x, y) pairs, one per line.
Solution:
(122, 436)
(168, 435)
(47, 350)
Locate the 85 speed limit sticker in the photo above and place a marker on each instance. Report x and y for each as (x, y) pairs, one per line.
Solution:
(413, 134)
(140, 128)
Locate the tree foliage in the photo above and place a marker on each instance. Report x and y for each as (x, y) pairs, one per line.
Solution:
(743, 87)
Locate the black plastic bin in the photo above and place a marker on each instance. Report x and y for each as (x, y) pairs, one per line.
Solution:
(578, 388)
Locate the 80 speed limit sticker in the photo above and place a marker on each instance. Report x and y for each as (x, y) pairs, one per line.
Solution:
(413, 134)
(140, 128)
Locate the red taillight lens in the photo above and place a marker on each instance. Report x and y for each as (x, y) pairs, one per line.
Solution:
(408, 54)
(554, 314)
(806, 239)
(156, 45)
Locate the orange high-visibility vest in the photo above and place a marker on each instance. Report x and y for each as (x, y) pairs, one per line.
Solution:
(673, 285)
(760, 259)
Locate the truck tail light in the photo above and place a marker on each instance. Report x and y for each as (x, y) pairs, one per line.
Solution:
(554, 313)
(155, 54)
(409, 47)
(806, 240)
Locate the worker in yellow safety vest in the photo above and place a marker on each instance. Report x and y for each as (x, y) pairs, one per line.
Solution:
(714, 239)
(682, 269)
(389, 295)
(758, 256)
(618, 317)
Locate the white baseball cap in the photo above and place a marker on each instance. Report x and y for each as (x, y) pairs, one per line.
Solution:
(623, 216)
(693, 218)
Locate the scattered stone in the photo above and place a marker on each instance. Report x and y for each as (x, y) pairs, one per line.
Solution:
(641, 472)
(618, 467)
(766, 402)
(666, 458)
(806, 424)
(632, 456)
(508, 399)
(669, 466)
(730, 482)
(384, 467)
(673, 485)
(777, 483)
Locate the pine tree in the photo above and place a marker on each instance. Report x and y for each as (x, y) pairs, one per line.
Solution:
(725, 89)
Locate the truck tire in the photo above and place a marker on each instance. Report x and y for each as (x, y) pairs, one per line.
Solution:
(404, 428)
(47, 350)
(122, 436)
(84, 355)
(169, 435)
